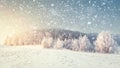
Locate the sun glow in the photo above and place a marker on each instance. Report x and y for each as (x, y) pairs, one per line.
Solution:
(11, 23)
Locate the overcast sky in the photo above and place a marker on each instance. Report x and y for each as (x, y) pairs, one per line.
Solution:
(78, 15)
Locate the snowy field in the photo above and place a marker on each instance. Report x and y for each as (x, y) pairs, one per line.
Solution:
(36, 57)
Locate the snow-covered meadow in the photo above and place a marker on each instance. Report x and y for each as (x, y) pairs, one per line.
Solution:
(59, 33)
(37, 57)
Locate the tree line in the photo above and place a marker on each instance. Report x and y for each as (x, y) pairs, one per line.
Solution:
(104, 42)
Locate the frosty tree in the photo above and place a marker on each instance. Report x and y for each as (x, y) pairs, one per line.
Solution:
(47, 42)
(68, 44)
(105, 43)
(7, 41)
(59, 44)
(75, 44)
(85, 44)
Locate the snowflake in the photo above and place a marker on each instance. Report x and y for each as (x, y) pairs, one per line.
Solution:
(21, 8)
(34, 0)
(89, 23)
(110, 25)
(52, 5)
(13, 10)
(96, 16)
(89, 2)
(103, 3)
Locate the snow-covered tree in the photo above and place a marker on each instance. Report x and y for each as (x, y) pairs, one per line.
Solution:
(80, 38)
(105, 43)
(85, 44)
(59, 44)
(68, 44)
(47, 42)
(7, 41)
(75, 44)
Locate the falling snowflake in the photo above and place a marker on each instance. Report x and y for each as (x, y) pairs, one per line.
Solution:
(21, 8)
(13, 10)
(110, 25)
(52, 5)
(34, 0)
(89, 1)
(89, 23)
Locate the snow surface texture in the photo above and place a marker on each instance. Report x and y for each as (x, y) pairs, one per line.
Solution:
(36, 57)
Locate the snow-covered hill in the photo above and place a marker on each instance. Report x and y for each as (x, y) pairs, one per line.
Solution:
(36, 57)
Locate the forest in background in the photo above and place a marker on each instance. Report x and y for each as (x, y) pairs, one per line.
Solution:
(103, 42)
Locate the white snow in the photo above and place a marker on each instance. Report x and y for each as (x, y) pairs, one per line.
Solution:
(36, 57)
